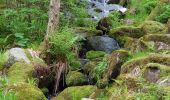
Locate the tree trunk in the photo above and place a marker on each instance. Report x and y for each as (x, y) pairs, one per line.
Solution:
(54, 10)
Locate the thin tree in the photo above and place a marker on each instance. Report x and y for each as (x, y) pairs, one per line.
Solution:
(53, 22)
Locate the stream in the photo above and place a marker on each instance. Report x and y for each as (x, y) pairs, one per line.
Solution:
(98, 9)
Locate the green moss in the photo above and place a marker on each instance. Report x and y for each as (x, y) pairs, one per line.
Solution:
(153, 27)
(129, 31)
(20, 72)
(94, 54)
(38, 61)
(28, 54)
(165, 38)
(3, 59)
(86, 32)
(142, 61)
(76, 93)
(25, 91)
(75, 78)
(75, 64)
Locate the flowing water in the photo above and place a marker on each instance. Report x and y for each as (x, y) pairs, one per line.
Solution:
(100, 8)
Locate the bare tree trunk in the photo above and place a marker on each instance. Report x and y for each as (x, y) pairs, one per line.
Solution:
(53, 17)
(53, 21)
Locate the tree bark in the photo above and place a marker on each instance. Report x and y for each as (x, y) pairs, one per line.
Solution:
(54, 10)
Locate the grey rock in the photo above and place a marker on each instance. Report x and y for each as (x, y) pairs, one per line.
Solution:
(16, 54)
(103, 43)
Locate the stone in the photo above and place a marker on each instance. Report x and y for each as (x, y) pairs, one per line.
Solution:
(104, 25)
(126, 31)
(76, 92)
(159, 41)
(25, 91)
(75, 78)
(153, 27)
(103, 43)
(17, 54)
(115, 61)
(20, 72)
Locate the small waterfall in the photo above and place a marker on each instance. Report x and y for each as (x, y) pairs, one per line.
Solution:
(103, 7)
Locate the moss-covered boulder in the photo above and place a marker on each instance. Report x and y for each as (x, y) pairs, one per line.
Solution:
(151, 67)
(116, 59)
(153, 27)
(139, 63)
(74, 78)
(95, 54)
(154, 71)
(75, 64)
(159, 41)
(129, 31)
(20, 72)
(76, 93)
(104, 25)
(25, 91)
(85, 32)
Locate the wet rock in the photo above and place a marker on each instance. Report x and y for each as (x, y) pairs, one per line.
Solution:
(83, 62)
(74, 78)
(103, 43)
(17, 54)
(76, 93)
(153, 27)
(113, 70)
(113, 1)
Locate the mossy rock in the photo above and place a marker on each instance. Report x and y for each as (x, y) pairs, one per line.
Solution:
(85, 32)
(158, 42)
(153, 27)
(95, 54)
(165, 38)
(140, 62)
(154, 71)
(127, 31)
(20, 72)
(76, 93)
(25, 91)
(35, 60)
(75, 78)
(115, 60)
(89, 70)
(75, 65)
(104, 25)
